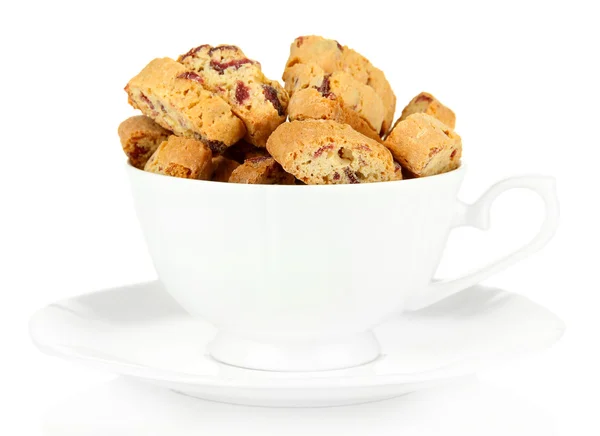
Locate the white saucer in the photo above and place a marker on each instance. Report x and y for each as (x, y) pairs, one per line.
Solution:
(140, 331)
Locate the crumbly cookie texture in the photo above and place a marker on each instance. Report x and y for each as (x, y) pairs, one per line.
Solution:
(243, 150)
(222, 168)
(428, 104)
(331, 56)
(170, 94)
(358, 104)
(424, 145)
(140, 137)
(182, 157)
(225, 70)
(262, 170)
(327, 152)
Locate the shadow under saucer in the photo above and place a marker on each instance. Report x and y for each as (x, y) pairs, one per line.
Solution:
(129, 407)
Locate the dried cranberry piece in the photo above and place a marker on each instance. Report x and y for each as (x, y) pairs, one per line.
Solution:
(434, 151)
(146, 100)
(364, 147)
(336, 176)
(340, 46)
(190, 75)
(351, 175)
(320, 150)
(423, 97)
(220, 67)
(453, 155)
(217, 147)
(271, 95)
(193, 51)
(323, 88)
(299, 41)
(223, 47)
(242, 92)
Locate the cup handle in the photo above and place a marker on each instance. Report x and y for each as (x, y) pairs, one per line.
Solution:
(478, 215)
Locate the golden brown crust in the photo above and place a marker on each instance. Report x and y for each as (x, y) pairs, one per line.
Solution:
(182, 157)
(352, 96)
(140, 137)
(225, 70)
(428, 104)
(331, 56)
(166, 92)
(222, 168)
(309, 103)
(327, 152)
(261, 171)
(424, 145)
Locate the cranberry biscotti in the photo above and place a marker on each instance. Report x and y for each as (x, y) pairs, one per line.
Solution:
(226, 71)
(327, 152)
(170, 94)
(330, 56)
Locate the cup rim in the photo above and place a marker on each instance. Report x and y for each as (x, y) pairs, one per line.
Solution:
(404, 182)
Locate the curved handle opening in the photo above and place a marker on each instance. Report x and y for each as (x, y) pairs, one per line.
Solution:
(478, 215)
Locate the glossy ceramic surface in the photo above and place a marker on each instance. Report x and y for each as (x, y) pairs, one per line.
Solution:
(296, 277)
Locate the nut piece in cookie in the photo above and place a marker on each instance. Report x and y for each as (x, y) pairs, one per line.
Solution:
(327, 152)
(140, 137)
(261, 170)
(222, 168)
(331, 56)
(428, 104)
(174, 97)
(242, 150)
(182, 157)
(424, 145)
(225, 70)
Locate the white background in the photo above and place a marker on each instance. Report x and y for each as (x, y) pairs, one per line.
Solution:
(521, 76)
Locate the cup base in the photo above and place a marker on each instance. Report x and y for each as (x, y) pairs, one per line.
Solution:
(302, 356)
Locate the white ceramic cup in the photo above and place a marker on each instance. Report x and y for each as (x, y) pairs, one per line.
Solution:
(296, 277)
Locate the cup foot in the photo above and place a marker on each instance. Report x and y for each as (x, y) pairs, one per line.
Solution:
(345, 352)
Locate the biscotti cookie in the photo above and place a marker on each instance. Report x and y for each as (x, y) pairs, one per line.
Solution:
(182, 157)
(262, 170)
(170, 94)
(326, 152)
(242, 150)
(424, 145)
(222, 168)
(310, 104)
(225, 70)
(428, 104)
(140, 137)
(331, 56)
(358, 104)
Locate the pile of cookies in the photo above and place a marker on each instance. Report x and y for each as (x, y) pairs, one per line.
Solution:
(213, 115)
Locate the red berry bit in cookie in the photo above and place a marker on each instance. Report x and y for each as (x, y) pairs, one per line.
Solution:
(271, 95)
(324, 88)
(147, 101)
(322, 149)
(217, 147)
(242, 92)
(193, 51)
(423, 98)
(190, 75)
(351, 175)
(220, 67)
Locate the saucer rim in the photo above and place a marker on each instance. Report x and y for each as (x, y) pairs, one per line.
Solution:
(460, 367)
